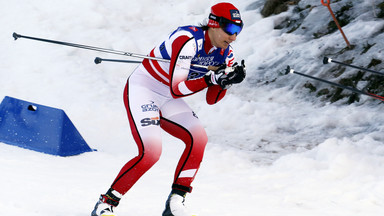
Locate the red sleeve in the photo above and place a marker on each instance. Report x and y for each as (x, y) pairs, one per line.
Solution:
(214, 94)
(181, 87)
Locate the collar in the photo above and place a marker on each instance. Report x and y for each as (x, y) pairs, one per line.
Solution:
(208, 47)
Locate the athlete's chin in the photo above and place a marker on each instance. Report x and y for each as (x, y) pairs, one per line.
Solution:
(224, 45)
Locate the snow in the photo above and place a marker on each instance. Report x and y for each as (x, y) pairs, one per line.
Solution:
(274, 148)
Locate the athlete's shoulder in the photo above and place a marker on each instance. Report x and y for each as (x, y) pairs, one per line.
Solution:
(191, 28)
(190, 31)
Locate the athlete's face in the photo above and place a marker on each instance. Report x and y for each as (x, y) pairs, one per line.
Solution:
(219, 38)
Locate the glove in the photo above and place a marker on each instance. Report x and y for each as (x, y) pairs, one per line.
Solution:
(238, 74)
(216, 77)
(226, 76)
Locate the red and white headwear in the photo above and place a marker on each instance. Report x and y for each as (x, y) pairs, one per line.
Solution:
(225, 10)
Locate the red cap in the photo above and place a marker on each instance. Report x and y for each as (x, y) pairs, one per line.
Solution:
(226, 10)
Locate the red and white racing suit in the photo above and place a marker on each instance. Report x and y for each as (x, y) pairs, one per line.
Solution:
(153, 99)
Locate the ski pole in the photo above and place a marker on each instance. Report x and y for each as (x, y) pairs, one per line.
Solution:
(290, 70)
(327, 60)
(328, 5)
(17, 36)
(98, 60)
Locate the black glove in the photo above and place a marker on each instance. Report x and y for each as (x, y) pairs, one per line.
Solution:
(216, 77)
(226, 76)
(238, 74)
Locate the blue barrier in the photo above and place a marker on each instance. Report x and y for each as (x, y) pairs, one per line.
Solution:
(39, 128)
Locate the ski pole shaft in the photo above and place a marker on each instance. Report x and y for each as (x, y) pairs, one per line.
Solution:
(98, 60)
(290, 70)
(327, 60)
(328, 5)
(17, 36)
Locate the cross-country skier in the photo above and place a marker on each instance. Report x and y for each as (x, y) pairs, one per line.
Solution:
(153, 99)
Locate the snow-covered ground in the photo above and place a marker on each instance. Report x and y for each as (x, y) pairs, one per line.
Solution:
(274, 149)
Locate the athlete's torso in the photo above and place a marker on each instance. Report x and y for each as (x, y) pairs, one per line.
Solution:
(161, 70)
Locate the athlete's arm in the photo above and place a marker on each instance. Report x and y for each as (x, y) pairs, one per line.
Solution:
(183, 50)
(215, 93)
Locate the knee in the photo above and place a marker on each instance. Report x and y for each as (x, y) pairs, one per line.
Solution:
(151, 155)
(200, 137)
(150, 151)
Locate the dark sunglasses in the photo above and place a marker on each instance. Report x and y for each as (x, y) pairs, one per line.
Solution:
(227, 25)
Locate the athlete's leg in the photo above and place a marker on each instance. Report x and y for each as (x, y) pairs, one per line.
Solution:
(179, 120)
(144, 120)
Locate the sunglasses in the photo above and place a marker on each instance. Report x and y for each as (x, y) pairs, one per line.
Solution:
(227, 25)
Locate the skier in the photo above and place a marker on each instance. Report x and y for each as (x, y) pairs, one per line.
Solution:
(153, 99)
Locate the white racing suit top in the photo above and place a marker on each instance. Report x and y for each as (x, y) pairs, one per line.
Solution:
(185, 46)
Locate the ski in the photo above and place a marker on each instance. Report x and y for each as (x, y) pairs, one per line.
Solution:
(290, 70)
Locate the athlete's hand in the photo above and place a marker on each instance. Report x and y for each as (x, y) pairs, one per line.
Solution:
(216, 77)
(226, 76)
(238, 74)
